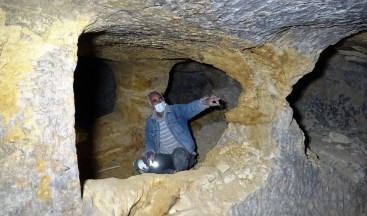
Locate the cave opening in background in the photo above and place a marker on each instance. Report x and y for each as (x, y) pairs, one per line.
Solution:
(94, 94)
(111, 106)
(330, 104)
(192, 80)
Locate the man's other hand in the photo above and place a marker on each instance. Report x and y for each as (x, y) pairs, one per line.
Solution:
(150, 156)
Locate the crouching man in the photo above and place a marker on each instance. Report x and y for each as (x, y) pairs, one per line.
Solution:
(169, 146)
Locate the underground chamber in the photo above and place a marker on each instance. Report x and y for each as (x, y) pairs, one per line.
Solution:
(110, 128)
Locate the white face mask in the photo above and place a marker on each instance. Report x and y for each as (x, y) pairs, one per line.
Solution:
(160, 107)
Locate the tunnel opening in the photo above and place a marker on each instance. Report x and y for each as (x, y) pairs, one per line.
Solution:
(94, 96)
(111, 106)
(191, 80)
(330, 104)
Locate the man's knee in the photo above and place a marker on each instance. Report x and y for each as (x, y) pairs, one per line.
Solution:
(181, 151)
(181, 159)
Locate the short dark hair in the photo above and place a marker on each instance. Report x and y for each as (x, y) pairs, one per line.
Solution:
(153, 93)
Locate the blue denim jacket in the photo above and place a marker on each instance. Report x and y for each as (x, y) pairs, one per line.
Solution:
(176, 117)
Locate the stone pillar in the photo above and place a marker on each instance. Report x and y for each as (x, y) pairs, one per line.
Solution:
(39, 173)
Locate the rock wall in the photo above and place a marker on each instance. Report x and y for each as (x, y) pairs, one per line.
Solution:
(325, 191)
(266, 46)
(39, 174)
(335, 94)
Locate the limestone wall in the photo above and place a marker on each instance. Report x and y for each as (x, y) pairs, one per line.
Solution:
(325, 191)
(39, 173)
(259, 165)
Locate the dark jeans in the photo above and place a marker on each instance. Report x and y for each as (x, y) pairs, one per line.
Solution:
(179, 160)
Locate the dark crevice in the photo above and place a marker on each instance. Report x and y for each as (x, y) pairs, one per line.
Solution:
(330, 103)
(94, 94)
(296, 97)
(190, 80)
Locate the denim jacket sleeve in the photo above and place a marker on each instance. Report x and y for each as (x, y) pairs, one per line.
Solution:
(191, 109)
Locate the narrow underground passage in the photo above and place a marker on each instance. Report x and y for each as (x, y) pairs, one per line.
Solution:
(97, 116)
(330, 105)
(94, 93)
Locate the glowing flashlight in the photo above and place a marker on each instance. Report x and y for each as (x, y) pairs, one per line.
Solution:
(154, 164)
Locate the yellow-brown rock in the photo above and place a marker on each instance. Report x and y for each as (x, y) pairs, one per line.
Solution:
(259, 166)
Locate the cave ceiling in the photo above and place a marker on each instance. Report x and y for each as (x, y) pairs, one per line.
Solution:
(354, 49)
(161, 24)
(164, 24)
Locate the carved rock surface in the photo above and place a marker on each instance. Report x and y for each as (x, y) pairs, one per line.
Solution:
(258, 165)
(325, 191)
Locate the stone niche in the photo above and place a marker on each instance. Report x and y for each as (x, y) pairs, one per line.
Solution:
(67, 142)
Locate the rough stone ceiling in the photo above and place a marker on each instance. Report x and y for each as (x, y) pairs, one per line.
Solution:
(355, 48)
(158, 23)
(252, 22)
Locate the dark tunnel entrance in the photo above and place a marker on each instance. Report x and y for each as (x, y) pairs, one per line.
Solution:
(330, 105)
(192, 80)
(94, 94)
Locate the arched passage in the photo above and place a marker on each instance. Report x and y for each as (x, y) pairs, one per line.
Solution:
(331, 106)
(191, 80)
(115, 114)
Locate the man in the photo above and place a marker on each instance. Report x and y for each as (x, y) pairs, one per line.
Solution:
(169, 146)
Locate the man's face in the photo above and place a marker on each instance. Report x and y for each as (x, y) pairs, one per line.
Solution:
(155, 99)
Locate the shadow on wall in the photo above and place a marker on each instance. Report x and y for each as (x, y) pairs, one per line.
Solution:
(298, 96)
(94, 92)
(333, 96)
(191, 80)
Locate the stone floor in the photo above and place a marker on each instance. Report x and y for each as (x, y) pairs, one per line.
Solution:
(344, 152)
